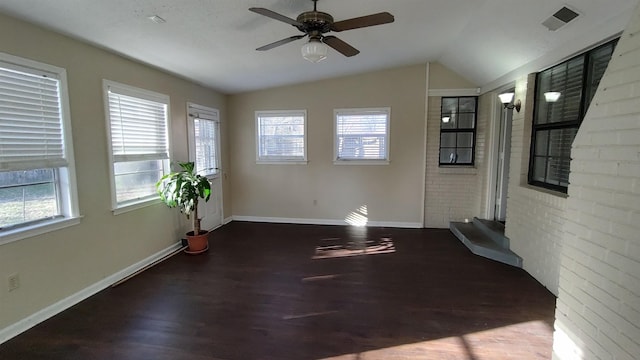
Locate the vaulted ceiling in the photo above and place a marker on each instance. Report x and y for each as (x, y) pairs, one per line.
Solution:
(213, 42)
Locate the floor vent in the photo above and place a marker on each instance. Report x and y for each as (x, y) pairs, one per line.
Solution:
(560, 18)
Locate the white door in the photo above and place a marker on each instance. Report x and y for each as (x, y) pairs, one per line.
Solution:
(204, 150)
(504, 155)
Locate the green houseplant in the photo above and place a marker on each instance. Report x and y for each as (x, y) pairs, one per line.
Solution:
(183, 189)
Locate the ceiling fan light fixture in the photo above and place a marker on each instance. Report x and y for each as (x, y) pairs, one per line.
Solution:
(314, 51)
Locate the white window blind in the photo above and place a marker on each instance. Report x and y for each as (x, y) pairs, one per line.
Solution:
(31, 130)
(205, 139)
(362, 134)
(138, 127)
(138, 123)
(281, 135)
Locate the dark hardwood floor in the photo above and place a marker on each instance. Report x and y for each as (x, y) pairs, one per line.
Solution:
(258, 294)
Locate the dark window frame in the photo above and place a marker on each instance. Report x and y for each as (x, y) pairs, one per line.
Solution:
(456, 131)
(548, 127)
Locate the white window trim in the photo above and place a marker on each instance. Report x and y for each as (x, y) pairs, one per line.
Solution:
(338, 161)
(195, 111)
(144, 94)
(280, 160)
(68, 183)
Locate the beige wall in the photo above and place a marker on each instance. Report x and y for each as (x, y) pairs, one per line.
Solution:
(60, 263)
(392, 193)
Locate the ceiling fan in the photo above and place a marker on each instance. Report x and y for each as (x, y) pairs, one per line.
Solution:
(315, 24)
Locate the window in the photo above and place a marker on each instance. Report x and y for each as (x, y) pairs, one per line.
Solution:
(557, 119)
(362, 135)
(204, 129)
(281, 136)
(137, 123)
(37, 177)
(458, 130)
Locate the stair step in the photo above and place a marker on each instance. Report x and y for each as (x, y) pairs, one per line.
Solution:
(481, 244)
(494, 230)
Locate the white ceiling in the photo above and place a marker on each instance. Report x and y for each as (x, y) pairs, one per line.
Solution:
(213, 41)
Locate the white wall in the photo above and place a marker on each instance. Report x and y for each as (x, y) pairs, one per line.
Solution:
(58, 264)
(598, 309)
(534, 215)
(452, 193)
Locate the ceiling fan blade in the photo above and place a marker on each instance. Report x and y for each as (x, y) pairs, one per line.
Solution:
(280, 42)
(274, 15)
(340, 46)
(363, 21)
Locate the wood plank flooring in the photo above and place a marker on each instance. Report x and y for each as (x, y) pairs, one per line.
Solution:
(258, 294)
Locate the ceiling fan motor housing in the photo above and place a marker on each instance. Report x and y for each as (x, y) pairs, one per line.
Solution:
(315, 21)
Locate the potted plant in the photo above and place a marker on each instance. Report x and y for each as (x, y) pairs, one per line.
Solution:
(183, 189)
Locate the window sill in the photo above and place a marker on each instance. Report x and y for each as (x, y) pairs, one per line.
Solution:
(135, 206)
(360, 162)
(38, 229)
(546, 191)
(281, 162)
(458, 169)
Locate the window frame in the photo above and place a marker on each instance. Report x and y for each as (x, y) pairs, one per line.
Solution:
(472, 130)
(281, 159)
(338, 160)
(200, 112)
(585, 89)
(65, 175)
(131, 91)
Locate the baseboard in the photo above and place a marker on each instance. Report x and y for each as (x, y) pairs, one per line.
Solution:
(25, 324)
(391, 224)
(227, 220)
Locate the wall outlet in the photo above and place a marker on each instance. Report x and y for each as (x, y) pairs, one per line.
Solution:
(13, 282)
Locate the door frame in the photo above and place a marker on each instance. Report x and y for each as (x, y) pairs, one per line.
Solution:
(493, 153)
(194, 111)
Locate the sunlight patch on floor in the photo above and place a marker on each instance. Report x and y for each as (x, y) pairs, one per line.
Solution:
(489, 344)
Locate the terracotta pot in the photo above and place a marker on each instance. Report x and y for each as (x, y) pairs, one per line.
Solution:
(197, 243)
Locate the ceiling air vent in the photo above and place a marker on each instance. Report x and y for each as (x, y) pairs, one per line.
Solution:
(560, 18)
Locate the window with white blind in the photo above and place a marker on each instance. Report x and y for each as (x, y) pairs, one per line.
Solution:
(281, 136)
(563, 95)
(137, 124)
(362, 136)
(204, 133)
(37, 177)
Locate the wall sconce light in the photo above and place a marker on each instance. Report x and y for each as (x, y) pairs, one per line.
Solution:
(506, 98)
(446, 119)
(551, 96)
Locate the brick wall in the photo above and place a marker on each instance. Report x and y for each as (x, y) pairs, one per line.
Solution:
(535, 217)
(452, 193)
(598, 309)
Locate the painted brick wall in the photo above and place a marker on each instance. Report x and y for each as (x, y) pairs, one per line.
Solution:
(598, 309)
(535, 217)
(452, 194)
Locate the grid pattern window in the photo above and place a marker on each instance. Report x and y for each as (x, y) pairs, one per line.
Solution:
(281, 136)
(206, 132)
(458, 130)
(139, 142)
(37, 181)
(362, 135)
(563, 95)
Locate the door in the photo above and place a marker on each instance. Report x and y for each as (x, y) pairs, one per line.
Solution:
(504, 155)
(204, 149)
